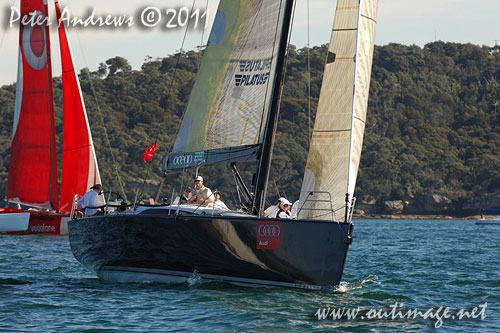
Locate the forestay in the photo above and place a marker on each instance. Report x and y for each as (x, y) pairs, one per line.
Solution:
(228, 106)
(336, 142)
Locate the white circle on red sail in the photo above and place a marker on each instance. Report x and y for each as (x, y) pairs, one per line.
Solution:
(35, 42)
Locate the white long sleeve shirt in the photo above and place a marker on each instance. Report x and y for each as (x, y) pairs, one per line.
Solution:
(90, 199)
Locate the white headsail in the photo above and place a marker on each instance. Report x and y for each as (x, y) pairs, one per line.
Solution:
(337, 139)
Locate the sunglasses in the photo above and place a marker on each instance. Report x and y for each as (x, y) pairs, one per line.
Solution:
(197, 181)
(286, 205)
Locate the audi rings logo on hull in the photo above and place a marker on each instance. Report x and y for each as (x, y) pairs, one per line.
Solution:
(269, 235)
(269, 230)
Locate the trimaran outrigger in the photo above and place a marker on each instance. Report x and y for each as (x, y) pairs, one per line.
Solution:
(231, 118)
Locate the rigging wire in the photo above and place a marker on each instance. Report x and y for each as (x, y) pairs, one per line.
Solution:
(99, 112)
(5, 30)
(182, 186)
(169, 93)
(292, 20)
(200, 58)
(308, 75)
(285, 63)
(202, 37)
(264, 114)
(280, 82)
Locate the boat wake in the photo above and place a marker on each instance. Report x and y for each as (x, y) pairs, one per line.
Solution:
(350, 286)
(194, 279)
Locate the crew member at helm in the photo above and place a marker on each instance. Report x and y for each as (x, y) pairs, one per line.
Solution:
(202, 195)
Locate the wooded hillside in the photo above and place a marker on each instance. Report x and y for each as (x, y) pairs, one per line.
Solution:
(433, 124)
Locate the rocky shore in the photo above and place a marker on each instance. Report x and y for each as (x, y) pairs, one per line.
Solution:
(426, 206)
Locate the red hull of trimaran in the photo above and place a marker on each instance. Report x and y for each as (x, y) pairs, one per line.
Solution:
(41, 223)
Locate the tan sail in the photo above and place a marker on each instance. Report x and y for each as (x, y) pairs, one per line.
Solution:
(337, 139)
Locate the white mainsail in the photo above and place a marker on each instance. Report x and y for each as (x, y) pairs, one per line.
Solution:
(230, 100)
(337, 139)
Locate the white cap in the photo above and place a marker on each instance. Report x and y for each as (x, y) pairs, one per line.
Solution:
(285, 202)
(199, 178)
(281, 199)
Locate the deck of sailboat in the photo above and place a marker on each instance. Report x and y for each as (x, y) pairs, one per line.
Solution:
(202, 211)
(194, 209)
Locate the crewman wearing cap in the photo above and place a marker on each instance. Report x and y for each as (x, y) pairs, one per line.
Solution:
(218, 203)
(184, 198)
(271, 211)
(91, 199)
(202, 194)
(284, 212)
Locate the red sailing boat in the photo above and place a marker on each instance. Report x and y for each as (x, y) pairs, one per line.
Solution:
(32, 181)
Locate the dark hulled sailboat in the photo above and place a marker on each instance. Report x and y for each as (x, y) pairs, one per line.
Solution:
(231, 118)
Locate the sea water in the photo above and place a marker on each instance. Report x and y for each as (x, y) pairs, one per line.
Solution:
(431, 267)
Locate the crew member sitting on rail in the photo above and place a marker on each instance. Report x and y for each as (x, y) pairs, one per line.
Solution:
(271, 211)
(284, 212)
(203, 195)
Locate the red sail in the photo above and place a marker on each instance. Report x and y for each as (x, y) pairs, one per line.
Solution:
(79, 168)
(33, 162)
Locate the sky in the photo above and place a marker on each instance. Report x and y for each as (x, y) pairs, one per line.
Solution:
(399, 21)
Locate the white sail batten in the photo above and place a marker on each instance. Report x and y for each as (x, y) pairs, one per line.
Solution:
(337, 138)
(232, 94)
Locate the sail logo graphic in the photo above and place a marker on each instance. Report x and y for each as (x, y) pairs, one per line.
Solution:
(255, 65)
(269, 235)
(251, 80)
(42, 228)
(34, 39)
(189, 160)
(248, 66)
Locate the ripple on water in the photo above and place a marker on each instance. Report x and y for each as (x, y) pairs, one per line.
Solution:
(11, 281)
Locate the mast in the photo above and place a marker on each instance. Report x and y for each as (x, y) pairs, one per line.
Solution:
(272, 119)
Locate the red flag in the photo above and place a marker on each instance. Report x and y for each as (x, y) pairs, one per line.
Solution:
(149, 152)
